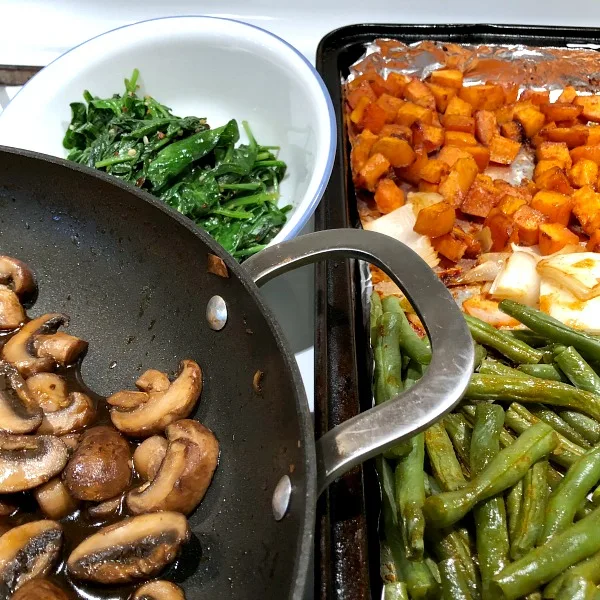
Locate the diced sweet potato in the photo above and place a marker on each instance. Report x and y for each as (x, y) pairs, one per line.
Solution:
(589, 152)
(571, 136)
(586, 208)
(481, 197)
(531, 119)
(510, 204)
(554, 179)
(442, 95)
(452, 78)
(584, 172)
(457, 106)
(501, 227)
(357, 115)
(448, 246)
(555, 151)
(412, 174)
(410, 112)
(450, 154)
(374, 79)
(377, 166)
(486, 126)
(361, 149)
(435, 220)
(591, 107)
(434, 170)
(593, 244)
(459, 123)
(473, 245)
(554, 237)
(398, 152)
(399, 131)
(536, 97)
(547, 163)
(427, 137)
(503, 151)
(505, 114)
(527, 222)
(486, 96)
(459, 138)
(561, 111)
(395, 84)
(425, 186)
(511, 91)
(364, 90)
(388, 196)
(593, 136)
(374, 118)
(557, 207)
(390, 105)
(416, 91)
(568, 94)
(481, 154)
(456, 184)
(512, 130)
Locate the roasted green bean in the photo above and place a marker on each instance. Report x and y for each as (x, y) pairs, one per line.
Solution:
(459, 431)
(577, 588)
(454, 585)
(543, 371)
(577, 370)
(514, 506)
(588, 569)
(558, 424)
(445, 465)
(586, 426)
(395, 591)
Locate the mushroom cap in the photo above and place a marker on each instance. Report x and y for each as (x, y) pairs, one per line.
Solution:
(149, 455)
(18, 275)
(159, 590)
(161, 409)
(54, 499)
(27, 461)
(40, 589)
(184, 474)
(29, 551)
(135, 548)
(77, 415)
(18, 410)
(12, 313)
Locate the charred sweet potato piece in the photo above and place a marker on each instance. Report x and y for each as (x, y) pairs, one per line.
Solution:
(412, 174)
(390, 105)
(459, 138)
(363, 90)
(554, 237)
(589, 152)
(399, 131)
(361, 149)
(568, 94)
(591, 107)
(456, 184)
(555, 151)
(395, 84)
(501, 227)
(487, 96)
(459, 123)
(503, 151)
(536, 97)
(416, 91)
(554, 179)
(560, 111)
(486, 126)
(571, 136)
(410, 112)
(586, 207)
(527, 222)
(481, 197)
(593, 244)
(435, 220)
(457, 106)
(557, 207)
(434, 170)
(398, 152)
(531, 119)
(388, 196)
(510, 203)
(450, 154)
(481, 154)
(452, 78)
(512, 130)
(375, 168)
(442, 95)
(427, 137)
(584, 172)
(374, 118)
(473, 245)
(447, 245)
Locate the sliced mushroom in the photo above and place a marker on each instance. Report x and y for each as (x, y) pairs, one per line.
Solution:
(54, 499)
(12, 313)
(159, 590)
(100, 468)
(149, 455)
(18, 275)
(108, 508)
(29, 551)
(63, 348)
(153, 381)
(27, 461)
(40, 589)
(18, 411)
(71, 441)
(185, 472)
(135, 548)
(161, 408)
(49, 390)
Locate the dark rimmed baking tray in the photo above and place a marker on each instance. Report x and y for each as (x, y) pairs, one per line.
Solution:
(346, 544)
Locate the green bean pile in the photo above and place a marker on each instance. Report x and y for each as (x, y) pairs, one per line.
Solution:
(500, 499)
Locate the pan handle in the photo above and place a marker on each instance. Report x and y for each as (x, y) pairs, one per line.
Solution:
(445, 380)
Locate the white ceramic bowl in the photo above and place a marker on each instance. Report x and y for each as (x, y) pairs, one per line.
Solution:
(201, 66)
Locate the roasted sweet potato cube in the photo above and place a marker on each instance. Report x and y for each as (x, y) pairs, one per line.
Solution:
(456, 184)
(452, 78)
(412, 174)
(509, 204)
(536, 97)
(357, 115)
(511, 91)
(527, 222)
(591, 107)
(398, 131)
(374, 118)
(503, 151)
(554, 179)
(395, 84)
(584, 172)
(375, 168)
(554, 151)
(593, 136)
(505, 114)
(388, 196)
(568, 94)
(434, 170)
(416, 91)
(571, 136)
(586, 207)
(593, 244)
(410, 112)
(435, 220)
(487, 96)
(457, 106)
(361, 149)
(481, 197)
(374, 79)
(557, 207)
(450, 154)
(459, 123)
(531, 119)
(481, 154)
(560, 111)
(554, 237)
(459, 138)
(501, 228)
(473, 245)
(427, 137)
(425, 186)
(390, 105)
(486, 126)
(448, 246)
(364, 90)
(398, 152)
(547, 163)
(442, 95)
(589, 152)
(512, 131)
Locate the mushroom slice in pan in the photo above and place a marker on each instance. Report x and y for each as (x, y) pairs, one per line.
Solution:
(63, 348)
(27, 461)
(135, 548)
(149, 455)
(54, 499)
(29, 551)
(40, 589)
(185, 472)
(18, 275)
(19, 412)
(159, 590)
(153, 381)
(159, 409)
(49, 391)
(108, 508)
(12, 313)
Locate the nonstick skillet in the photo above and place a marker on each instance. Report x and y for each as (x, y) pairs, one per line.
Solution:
(132, 275)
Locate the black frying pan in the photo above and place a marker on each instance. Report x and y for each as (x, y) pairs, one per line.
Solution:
(132, 275)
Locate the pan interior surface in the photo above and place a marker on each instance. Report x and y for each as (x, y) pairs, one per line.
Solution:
(133, 278)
